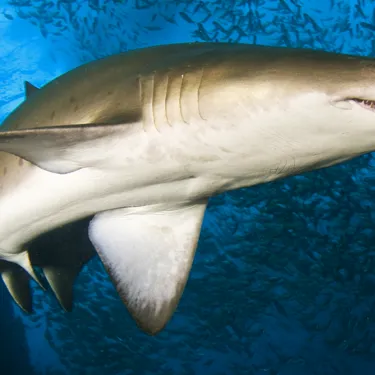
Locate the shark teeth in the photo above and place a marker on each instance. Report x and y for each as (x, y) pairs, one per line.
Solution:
(365, 103)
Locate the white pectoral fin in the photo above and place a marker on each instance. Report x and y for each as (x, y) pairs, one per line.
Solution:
(149, 256)
(62, 149)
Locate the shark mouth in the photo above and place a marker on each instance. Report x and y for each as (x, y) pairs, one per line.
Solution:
(365, 103)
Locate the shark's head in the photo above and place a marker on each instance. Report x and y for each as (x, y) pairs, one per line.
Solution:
(334, 107)
(312, 109)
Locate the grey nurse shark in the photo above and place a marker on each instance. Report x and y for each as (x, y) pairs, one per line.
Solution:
(136, 144)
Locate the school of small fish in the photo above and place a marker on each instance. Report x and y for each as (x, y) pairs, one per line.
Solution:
(308, 271)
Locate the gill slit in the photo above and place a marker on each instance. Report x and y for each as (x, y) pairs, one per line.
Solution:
(198, 96)
(142, 100)
(153, 96)
(180, 99)
(167, 93)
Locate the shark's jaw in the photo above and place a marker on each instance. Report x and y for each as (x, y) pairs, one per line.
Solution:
(364, 103)
(295, 133)
(197, 126)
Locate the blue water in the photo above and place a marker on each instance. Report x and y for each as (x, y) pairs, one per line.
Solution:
(283, 282)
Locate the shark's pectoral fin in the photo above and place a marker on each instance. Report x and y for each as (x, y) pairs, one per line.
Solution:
(148, 256)
(17, 281)
(30, 89)
(63, 149)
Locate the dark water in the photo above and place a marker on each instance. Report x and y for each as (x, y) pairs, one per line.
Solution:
(283, 281)
(14, 355)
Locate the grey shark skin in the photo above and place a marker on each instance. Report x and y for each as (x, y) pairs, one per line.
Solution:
(142, 140)
(60, 253)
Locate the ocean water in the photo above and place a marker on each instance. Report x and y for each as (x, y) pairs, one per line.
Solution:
(283, 282)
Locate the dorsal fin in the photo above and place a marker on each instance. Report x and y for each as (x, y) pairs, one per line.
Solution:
(30, 89)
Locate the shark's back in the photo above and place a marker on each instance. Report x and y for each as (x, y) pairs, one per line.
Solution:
(101, 91)
(107, 90)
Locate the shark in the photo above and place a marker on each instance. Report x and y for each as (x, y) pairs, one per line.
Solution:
(133, 146)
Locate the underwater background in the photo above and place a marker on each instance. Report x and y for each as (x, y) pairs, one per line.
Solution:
(283, 282)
